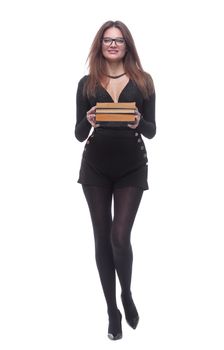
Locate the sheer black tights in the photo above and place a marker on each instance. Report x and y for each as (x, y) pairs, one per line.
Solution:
(112, 235)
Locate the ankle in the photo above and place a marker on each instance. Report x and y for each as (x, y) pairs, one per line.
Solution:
(112, 312)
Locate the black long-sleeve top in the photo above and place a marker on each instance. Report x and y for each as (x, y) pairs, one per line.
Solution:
(130, 93)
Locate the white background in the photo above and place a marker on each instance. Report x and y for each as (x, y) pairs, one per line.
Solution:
(50, 295)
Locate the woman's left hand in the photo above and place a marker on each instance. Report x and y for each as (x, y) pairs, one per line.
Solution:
(137, 120)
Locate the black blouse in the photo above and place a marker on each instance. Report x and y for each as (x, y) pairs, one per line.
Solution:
(130, 93)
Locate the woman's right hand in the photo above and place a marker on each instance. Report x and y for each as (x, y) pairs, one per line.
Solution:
(91, 117)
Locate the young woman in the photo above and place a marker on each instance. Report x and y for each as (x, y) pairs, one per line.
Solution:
(114, 162)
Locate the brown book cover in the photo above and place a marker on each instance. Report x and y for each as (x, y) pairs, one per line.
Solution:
(130, 105)
(115, 117)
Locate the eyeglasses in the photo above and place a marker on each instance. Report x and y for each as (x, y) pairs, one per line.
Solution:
(108, 41)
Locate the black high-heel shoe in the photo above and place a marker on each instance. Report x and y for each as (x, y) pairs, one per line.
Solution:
(131, 313)
(115, 329)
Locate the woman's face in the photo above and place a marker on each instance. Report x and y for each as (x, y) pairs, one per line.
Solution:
(113, 50)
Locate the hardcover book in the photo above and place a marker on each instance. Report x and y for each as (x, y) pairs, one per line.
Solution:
(116, 105)
(118, 110)
(118, 113)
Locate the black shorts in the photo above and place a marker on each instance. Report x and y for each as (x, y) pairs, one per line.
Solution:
(114, 158)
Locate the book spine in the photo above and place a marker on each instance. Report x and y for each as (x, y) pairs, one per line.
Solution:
(116, 105)
(118, 110)
(115, 117)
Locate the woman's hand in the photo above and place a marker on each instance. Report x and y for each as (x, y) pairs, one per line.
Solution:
(137, 120)
(91, 117)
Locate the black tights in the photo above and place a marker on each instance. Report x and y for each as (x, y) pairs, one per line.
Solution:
(113, 249)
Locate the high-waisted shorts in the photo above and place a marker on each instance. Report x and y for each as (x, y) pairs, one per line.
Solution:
(114, 158)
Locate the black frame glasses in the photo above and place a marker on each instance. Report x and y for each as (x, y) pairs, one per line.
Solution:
(107, 41)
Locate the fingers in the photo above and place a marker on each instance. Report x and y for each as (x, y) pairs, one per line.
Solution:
(91, 116)
(137, 119)
(91, 119)
(137, 112)
(92, 110)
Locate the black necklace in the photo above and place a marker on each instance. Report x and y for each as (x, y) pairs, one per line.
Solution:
(115, 76)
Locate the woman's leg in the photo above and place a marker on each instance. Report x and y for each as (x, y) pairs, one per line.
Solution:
(126, 203)
(99, 200)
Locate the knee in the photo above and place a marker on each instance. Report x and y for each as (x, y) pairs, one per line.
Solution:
(119, 242)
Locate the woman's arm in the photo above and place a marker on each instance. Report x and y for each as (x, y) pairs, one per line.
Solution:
(147, 124)
(82, 127)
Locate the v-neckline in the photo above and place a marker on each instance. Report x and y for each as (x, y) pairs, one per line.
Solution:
(119, 94)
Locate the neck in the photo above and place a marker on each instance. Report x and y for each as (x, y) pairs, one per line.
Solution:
(114, 69)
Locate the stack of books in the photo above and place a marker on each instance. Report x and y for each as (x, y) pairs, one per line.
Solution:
(115, 114)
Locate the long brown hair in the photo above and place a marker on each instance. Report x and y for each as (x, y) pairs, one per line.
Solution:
(131, 61)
